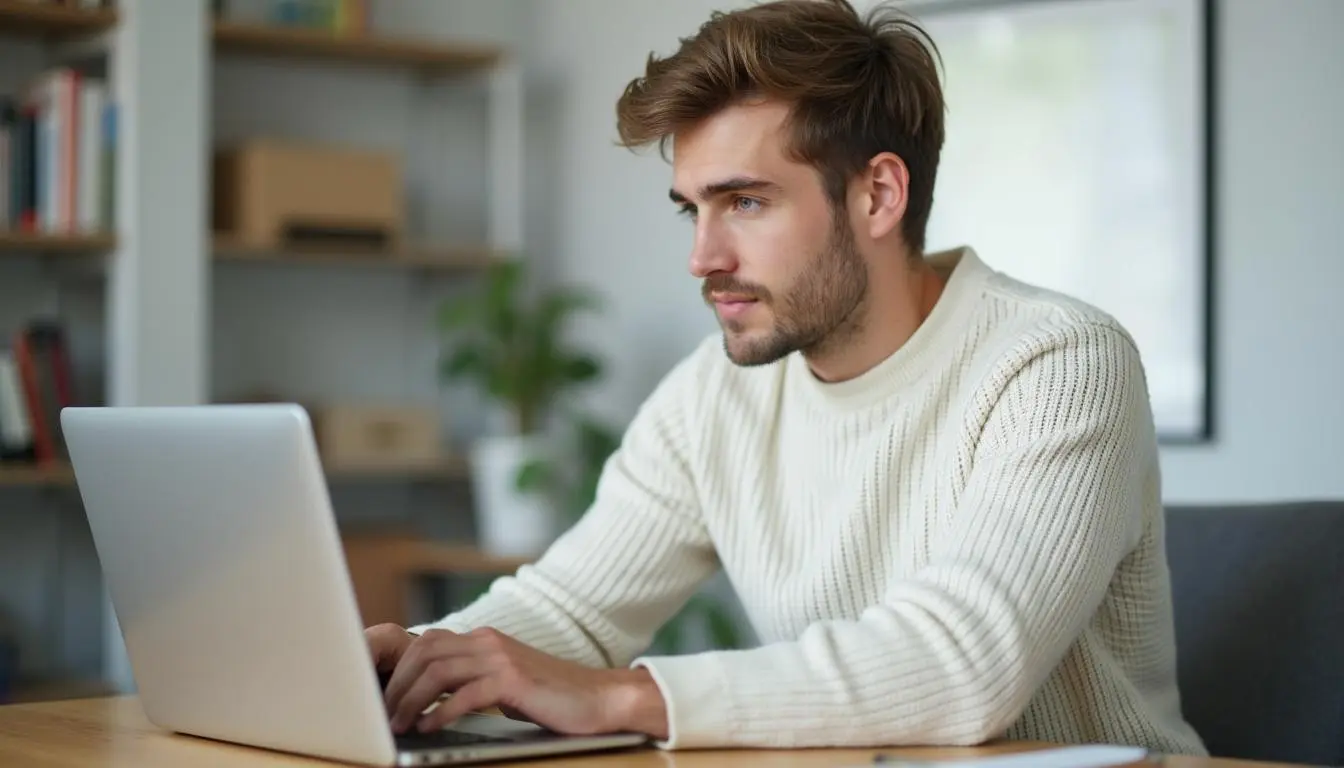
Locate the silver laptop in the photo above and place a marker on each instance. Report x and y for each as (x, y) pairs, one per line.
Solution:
(223, 560)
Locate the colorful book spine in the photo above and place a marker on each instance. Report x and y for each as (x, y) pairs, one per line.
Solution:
(55, 135)
(342, 17)
(36, 373)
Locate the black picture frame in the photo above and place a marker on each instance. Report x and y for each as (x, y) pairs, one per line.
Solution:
(1204, 317)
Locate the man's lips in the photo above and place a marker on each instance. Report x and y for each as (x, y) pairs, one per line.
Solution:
(732, 305)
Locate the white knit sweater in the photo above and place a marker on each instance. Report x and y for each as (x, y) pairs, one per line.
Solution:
(965, 542)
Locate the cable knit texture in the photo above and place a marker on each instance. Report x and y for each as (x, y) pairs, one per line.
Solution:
(965, 542)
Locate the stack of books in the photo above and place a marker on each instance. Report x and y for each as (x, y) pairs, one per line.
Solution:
(342, 17)
(57, 155)
(35, 384)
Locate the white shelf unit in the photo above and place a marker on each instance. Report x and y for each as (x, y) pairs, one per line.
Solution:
(158, 264)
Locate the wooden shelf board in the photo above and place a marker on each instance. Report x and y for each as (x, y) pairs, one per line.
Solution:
(18, 17)
(444, 258)
(412, 53)
(14, 475)
(72, 244)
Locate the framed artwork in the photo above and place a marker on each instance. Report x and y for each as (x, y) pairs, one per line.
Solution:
(1079, 157)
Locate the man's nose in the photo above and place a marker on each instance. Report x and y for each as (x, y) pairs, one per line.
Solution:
(711, 254)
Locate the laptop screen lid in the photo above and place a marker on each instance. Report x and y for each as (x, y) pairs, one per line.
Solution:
(220, 552)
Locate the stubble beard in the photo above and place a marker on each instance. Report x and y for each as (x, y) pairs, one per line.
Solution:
(821, 313)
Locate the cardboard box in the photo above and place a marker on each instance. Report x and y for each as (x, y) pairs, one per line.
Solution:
(269, 193)
(377, 436)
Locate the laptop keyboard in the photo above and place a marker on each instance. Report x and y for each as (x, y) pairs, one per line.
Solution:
(441, 739)
(445, 739)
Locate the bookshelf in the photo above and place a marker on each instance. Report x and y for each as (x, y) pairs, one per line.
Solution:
(66, 245)
(314, 45)
(160, 246)
(448, 469)
(52, 22)
(416, 257)
(413, 257)
(35, 476)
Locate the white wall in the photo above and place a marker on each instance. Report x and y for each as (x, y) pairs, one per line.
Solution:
(1280, 350)
(1280, 191)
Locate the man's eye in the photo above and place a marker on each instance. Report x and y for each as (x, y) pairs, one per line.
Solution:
(687, 210)
(747, 204)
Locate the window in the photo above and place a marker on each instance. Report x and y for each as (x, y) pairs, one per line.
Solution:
(1076, 158)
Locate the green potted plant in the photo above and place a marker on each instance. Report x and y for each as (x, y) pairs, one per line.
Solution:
(510, 343)
(528, 484)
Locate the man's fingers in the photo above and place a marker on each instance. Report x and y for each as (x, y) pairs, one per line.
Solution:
(417, 655)
(478, 694)
(406, 672)
(440, 676)
(386, 642)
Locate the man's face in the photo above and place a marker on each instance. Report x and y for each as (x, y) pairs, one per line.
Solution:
(781, 272)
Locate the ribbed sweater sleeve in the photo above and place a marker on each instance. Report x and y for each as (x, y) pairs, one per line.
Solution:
(953, 654)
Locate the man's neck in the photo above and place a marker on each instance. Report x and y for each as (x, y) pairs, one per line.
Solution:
(897, 304)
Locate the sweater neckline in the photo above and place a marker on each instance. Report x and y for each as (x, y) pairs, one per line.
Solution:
(939, 334)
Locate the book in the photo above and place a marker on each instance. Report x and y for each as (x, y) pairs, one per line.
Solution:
(45, 382)
(9, 125)
(16, 429)
(57, 154)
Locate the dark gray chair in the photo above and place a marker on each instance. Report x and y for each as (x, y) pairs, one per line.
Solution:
(1259, 604)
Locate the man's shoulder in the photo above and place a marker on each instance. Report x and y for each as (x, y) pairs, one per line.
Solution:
(1026, 320)
(1053, 354)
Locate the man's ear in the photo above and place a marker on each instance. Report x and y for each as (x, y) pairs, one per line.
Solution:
(887, 183)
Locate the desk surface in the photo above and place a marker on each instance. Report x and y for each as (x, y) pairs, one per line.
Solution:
(113, 732)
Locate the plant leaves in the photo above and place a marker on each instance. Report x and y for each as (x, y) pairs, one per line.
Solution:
(556, 306)
(534, 476)
(513, 347)
(722, 631)
(501, 299)
(669, 639)
(580, 368)
(465, 360)
(458, 314)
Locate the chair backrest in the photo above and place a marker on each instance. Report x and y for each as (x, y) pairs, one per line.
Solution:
(1258, 592)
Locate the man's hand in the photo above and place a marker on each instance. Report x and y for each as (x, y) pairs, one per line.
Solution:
(486, 668)
(387, 643)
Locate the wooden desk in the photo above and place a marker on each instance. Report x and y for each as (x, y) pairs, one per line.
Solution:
(113, 732)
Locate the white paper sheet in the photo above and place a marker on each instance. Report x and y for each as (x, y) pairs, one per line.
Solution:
(1090, 756)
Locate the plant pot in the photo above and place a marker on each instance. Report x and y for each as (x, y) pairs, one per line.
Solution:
(509, 522)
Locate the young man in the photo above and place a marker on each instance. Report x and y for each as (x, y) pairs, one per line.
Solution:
(934, 488)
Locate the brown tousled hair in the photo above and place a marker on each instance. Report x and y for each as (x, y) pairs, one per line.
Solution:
(856, 86)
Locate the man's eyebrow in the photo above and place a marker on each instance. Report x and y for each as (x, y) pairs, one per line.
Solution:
(734, 184)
